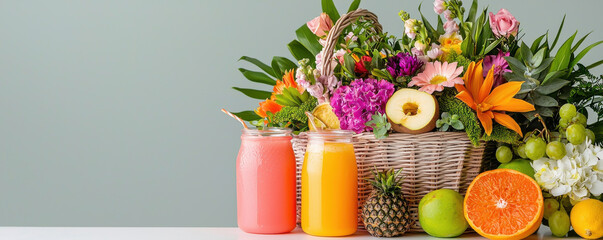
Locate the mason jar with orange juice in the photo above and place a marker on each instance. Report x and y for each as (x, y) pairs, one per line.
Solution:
(329, 197)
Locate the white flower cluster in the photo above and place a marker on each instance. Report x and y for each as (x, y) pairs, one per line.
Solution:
(577, 175)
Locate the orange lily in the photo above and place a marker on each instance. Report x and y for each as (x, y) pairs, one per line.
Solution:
(490, 103)
(267, 106)
(287, 82)
(270, 104)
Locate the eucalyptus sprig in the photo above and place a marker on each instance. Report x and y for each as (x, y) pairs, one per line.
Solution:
(448, 121)
(380, 125)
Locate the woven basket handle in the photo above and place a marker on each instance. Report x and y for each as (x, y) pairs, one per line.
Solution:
(343, 22)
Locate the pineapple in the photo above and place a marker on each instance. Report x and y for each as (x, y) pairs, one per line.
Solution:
(385, 212)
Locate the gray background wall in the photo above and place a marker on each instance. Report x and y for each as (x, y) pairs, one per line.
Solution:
(109, 110)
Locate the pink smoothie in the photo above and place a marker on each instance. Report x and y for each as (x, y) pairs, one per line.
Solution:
(266, 194)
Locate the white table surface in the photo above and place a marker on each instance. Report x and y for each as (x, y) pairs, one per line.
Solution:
(171, 233)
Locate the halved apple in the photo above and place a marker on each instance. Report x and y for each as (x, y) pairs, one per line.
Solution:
(412, 111)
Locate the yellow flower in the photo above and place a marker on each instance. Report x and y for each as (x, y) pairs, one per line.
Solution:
(450, 42)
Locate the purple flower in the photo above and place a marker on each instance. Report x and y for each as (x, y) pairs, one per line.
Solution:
(355, 104)
(500, 67)
(403, 65)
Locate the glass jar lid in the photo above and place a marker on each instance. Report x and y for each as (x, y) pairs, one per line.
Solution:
(331, 135)
(267, 132)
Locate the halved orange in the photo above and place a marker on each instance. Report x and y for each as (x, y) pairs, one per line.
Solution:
(504, 204)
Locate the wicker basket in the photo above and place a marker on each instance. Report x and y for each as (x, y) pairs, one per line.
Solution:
(429, 161)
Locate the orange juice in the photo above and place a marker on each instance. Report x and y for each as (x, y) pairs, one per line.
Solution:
(329, 185)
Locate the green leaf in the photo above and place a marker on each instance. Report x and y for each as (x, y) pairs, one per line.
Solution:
(594, 65)
(354, 5)
(543, 111)
(247, 115)
(468, 52)
(305, 96)
(294, 93)
(544, 101)
(552, 86)
(276, 68)
(380, 74)
(492, 46)
(348, 63)
(552, 75)
(375, 59)
(300, 52)
(558, 33)
(472, 12)
(526, 53)
(478, 26)
(562, 58)
(543, 65)
(577, 45)
(308, 39)
(526, 87)
(480, 35)
(260, 64)
(288, 97)
(582, 53)
(281, 65)
(440, 27)
(538, 57)
(329, 7)
(515, 65)
(283, 100)
(546, 112)
(530, 115)
(536, 43)
(430, 30)
(257, 77)
(458, 125)
(252, 93)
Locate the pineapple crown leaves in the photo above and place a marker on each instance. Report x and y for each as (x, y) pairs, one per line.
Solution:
(387, 183)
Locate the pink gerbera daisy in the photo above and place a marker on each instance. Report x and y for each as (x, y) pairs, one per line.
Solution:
(436, 76)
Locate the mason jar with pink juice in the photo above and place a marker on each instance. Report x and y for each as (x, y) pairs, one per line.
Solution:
(266, 187)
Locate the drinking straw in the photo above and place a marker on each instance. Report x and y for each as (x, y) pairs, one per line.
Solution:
(235, 117)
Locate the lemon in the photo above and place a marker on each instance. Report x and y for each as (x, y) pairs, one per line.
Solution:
(325, 118)
(586, 219)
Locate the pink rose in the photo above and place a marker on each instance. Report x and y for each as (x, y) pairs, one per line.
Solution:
(438, 6)
(320, 25)
(503, 24)
(451, 27)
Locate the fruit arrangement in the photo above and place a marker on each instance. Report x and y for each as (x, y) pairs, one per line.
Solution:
(469, 71)
(471, 65)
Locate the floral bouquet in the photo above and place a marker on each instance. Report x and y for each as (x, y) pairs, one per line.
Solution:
(468, 71)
